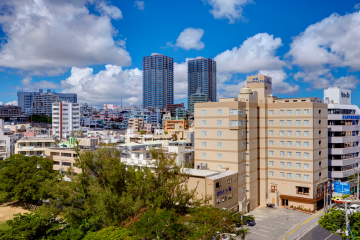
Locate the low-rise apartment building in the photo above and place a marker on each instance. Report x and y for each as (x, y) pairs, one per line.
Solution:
(63, 158)
(278, 147)
(7, 141)
(174, 124)
(34, 146)
(10, 111)
(136, 123)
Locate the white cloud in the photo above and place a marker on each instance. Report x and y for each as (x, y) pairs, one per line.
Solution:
(357, 6)
(255, 53)
(334, 41)
(140, 5)
(190, 38)
(180, 80)
(48, 37)
(278, 78)
(230, 9)
(14, 103)
(28, 85)
(106, 86)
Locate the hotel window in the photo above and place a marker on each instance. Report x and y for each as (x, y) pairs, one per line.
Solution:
(243, 178)
(240, 112)
(282, 153)
(282, 164)
(240, 123)
(306, 144)
(233, 123)
(218, 200)
(219, 156)
(233, 112)
(204, 144)
(289, 143)
(289, 175)
(306, 133)
(298, 176)
(288, 122)
(219, 167)
(298, 112)
(271, 173)
(306, 177)
(219, 111)
(306, 111)
(271, 122)
(282, 174)
(271, 142)
(289, 133)
(203, 122)
(219, 144)
(298, 144)
(271, 112)
(298, 154)
(219, 122)
(203, 112)
(204, 155)
(298, 165)
(306, 122)
(289, 164)
(271, 153)
(306, 155)
(282, 112)
(306, 165)
(289, 154)
(203, 133)
(271, 163)
(271, 132)
(219, 134)
(298, 122)
(282, 133)
(289, 112)
(244, 189)
(298, 133)
(282, 143)
(282, 122)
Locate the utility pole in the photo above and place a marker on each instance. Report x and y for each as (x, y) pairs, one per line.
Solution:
(346, 220)
(325, 186)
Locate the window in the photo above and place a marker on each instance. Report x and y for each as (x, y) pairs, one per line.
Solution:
(203, 133)
(289, 175)
(289, 164)
(233, 123)
(271, 153)
(204, 155)
(219, 145)
(282, 133)
(298, 122)
(306, 165)
(240, 123)
(219, 156)
(298, 176)
(298, 144)
(282, 143)
(306, 122)
(243, 178)
(271, 142)
(282, 153)
(271, 132)
(219, 122)
(244, 189)
(306, 144)
(282, 174)
(230, 196)
(282, 112)
(240, 112)
(271, 173)
(204, 144)
(219, 133)
(306, 177)
(298, 154)
(219, 111)
(306, 155)
(289, 143)
(282, 122)
(289, 112)
(271, 163)
(298, 112)
(298, 165)
(288, 122)
(271, 122)
(203, 112)
(303, 190)
(203, 122)
(306, 133)
(233, 112)
(218, 200)
(282, 164)
(271, 112)
(298, 133)
(306, 111)
(289, 133)
(218, 184)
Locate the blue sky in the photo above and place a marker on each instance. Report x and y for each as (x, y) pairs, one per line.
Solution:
(95, 48)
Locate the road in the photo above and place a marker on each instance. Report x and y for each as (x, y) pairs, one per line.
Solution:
(318, 233)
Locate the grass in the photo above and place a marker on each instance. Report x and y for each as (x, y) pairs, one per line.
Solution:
(3, 226)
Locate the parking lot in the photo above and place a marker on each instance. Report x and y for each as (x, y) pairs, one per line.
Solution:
(271, 223)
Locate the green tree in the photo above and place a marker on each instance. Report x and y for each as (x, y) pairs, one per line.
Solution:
(333, 221)
(21, 177)
(111, 233)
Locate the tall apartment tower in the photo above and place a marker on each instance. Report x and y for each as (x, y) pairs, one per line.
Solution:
(201, 78)
(278, 146)
(343, 121)
(65, 118)
(158, 81)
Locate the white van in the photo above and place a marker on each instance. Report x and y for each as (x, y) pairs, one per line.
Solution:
(355, 208)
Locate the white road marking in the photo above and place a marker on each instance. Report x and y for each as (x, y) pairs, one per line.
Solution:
(276, 222)
(261, 230)
(328, 236)
(267, 227)
(260, 234)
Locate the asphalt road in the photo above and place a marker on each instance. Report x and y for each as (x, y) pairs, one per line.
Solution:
(318, 233)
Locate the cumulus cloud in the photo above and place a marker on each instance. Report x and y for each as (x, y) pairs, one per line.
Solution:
(106, 86)
(48, 37)
(140, 5)
(14, 103)
(188, 39)
(230, 9)
(27, 84)
(357, 6)
(334, 42)
(180, 80)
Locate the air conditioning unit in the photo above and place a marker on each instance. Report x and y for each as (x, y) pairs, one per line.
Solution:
(197, 166)
(247, 176)
(247, 190)
(247, 164)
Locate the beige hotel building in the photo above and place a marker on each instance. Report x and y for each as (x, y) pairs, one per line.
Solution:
(277, 146)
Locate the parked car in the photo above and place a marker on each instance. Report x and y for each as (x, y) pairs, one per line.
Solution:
(249, 221)
(355, 208)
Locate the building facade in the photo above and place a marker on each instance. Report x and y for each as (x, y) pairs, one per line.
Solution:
(277, 146)
(202, 77)
(34, 146)
(7, 141)
(343, 127)
(158, 81)
(173, 107)
(65, 119)
(10, 111)
(196, 98)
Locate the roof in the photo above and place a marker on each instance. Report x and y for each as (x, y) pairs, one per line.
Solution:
(130, 144)
(153, 142)
(38, 139)
(222, 175)
(198, 172)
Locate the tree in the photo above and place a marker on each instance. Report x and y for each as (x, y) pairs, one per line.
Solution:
(111, 233)
(21, 177)
(333, 221)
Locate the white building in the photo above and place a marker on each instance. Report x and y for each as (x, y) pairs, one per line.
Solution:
(65, 119)
(343, 132)
(7, 141)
